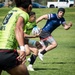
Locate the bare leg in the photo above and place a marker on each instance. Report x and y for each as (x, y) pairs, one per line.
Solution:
(48, 48)
(34, 50)
(32, 58)
(19, 70)
(51, 46)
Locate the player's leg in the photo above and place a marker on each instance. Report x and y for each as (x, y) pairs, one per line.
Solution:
(9, 63)
(19, 70)
(52, 45)
(34, 55)
(0, 71)
(44, 45)
(32, 47)
(27, 46)
(32, 58)
(12, 65)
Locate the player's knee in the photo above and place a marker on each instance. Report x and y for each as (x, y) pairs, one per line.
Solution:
(35, 51)
(55, 45)
(28, 53)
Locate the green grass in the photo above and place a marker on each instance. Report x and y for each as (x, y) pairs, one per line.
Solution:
(61, 60)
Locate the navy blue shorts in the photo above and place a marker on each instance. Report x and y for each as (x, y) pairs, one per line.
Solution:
(8, 59)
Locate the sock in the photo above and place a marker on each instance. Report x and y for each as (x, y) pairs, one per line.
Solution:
(43, 52)
(33, 58)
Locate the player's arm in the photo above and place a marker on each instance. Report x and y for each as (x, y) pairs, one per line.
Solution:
(29, 36)
(19, 31)
(67, 26)
(42, 18)
(20, 38)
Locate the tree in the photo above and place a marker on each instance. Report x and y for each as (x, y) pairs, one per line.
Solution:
(41, 1)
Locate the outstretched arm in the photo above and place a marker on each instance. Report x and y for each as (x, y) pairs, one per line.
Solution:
(42, 17)
(67, 26)
(30, 36)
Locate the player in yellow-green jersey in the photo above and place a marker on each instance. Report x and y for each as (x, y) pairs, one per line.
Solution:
(12, 35)
(8, 39)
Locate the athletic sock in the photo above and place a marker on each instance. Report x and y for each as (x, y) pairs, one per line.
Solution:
(33, 58)
(43, 52)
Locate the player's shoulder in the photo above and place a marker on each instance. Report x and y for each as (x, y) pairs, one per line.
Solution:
(62, 19)
(53, 15)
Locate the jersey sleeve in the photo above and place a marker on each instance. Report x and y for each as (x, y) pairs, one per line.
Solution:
(25, 17)
(50, 16)
(63, 21)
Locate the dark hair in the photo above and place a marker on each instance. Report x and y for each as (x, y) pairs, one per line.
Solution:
(61, 9)
(23, 3)
(31, 13)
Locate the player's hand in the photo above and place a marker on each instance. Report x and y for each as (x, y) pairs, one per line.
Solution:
(22, 56)
(37, 35)
(70, 24)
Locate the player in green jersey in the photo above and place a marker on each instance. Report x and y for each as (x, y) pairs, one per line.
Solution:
(12, 35)
(33, 45)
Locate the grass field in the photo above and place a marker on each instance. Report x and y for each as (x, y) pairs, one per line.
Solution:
(61, 60)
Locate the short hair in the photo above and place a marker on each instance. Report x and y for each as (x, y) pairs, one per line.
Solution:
(31, 13)
(61, 9)
(23, 3)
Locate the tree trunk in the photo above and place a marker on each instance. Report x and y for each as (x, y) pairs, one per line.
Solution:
(74, 2)
(6, 2)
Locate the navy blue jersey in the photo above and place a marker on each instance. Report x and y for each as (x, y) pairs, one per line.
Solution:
(53, 22)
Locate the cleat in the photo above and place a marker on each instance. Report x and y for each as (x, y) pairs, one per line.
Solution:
(29, 60)
(40, 56)
(30, 68)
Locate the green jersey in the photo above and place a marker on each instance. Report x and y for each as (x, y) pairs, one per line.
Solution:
(29, 26)
(7, 34)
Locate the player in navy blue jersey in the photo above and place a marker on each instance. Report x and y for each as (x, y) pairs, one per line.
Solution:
(53, 21)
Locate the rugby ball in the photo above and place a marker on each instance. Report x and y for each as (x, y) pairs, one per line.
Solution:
(35, 30)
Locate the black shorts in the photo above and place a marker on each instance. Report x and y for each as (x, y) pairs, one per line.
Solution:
(8, 59)
(44, 34)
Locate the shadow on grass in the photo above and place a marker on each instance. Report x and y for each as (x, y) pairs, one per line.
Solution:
(36, 69)
(71, 46)
(60, 63)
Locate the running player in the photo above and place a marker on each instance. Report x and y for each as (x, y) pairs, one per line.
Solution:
(53, 21)
(12, 36)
